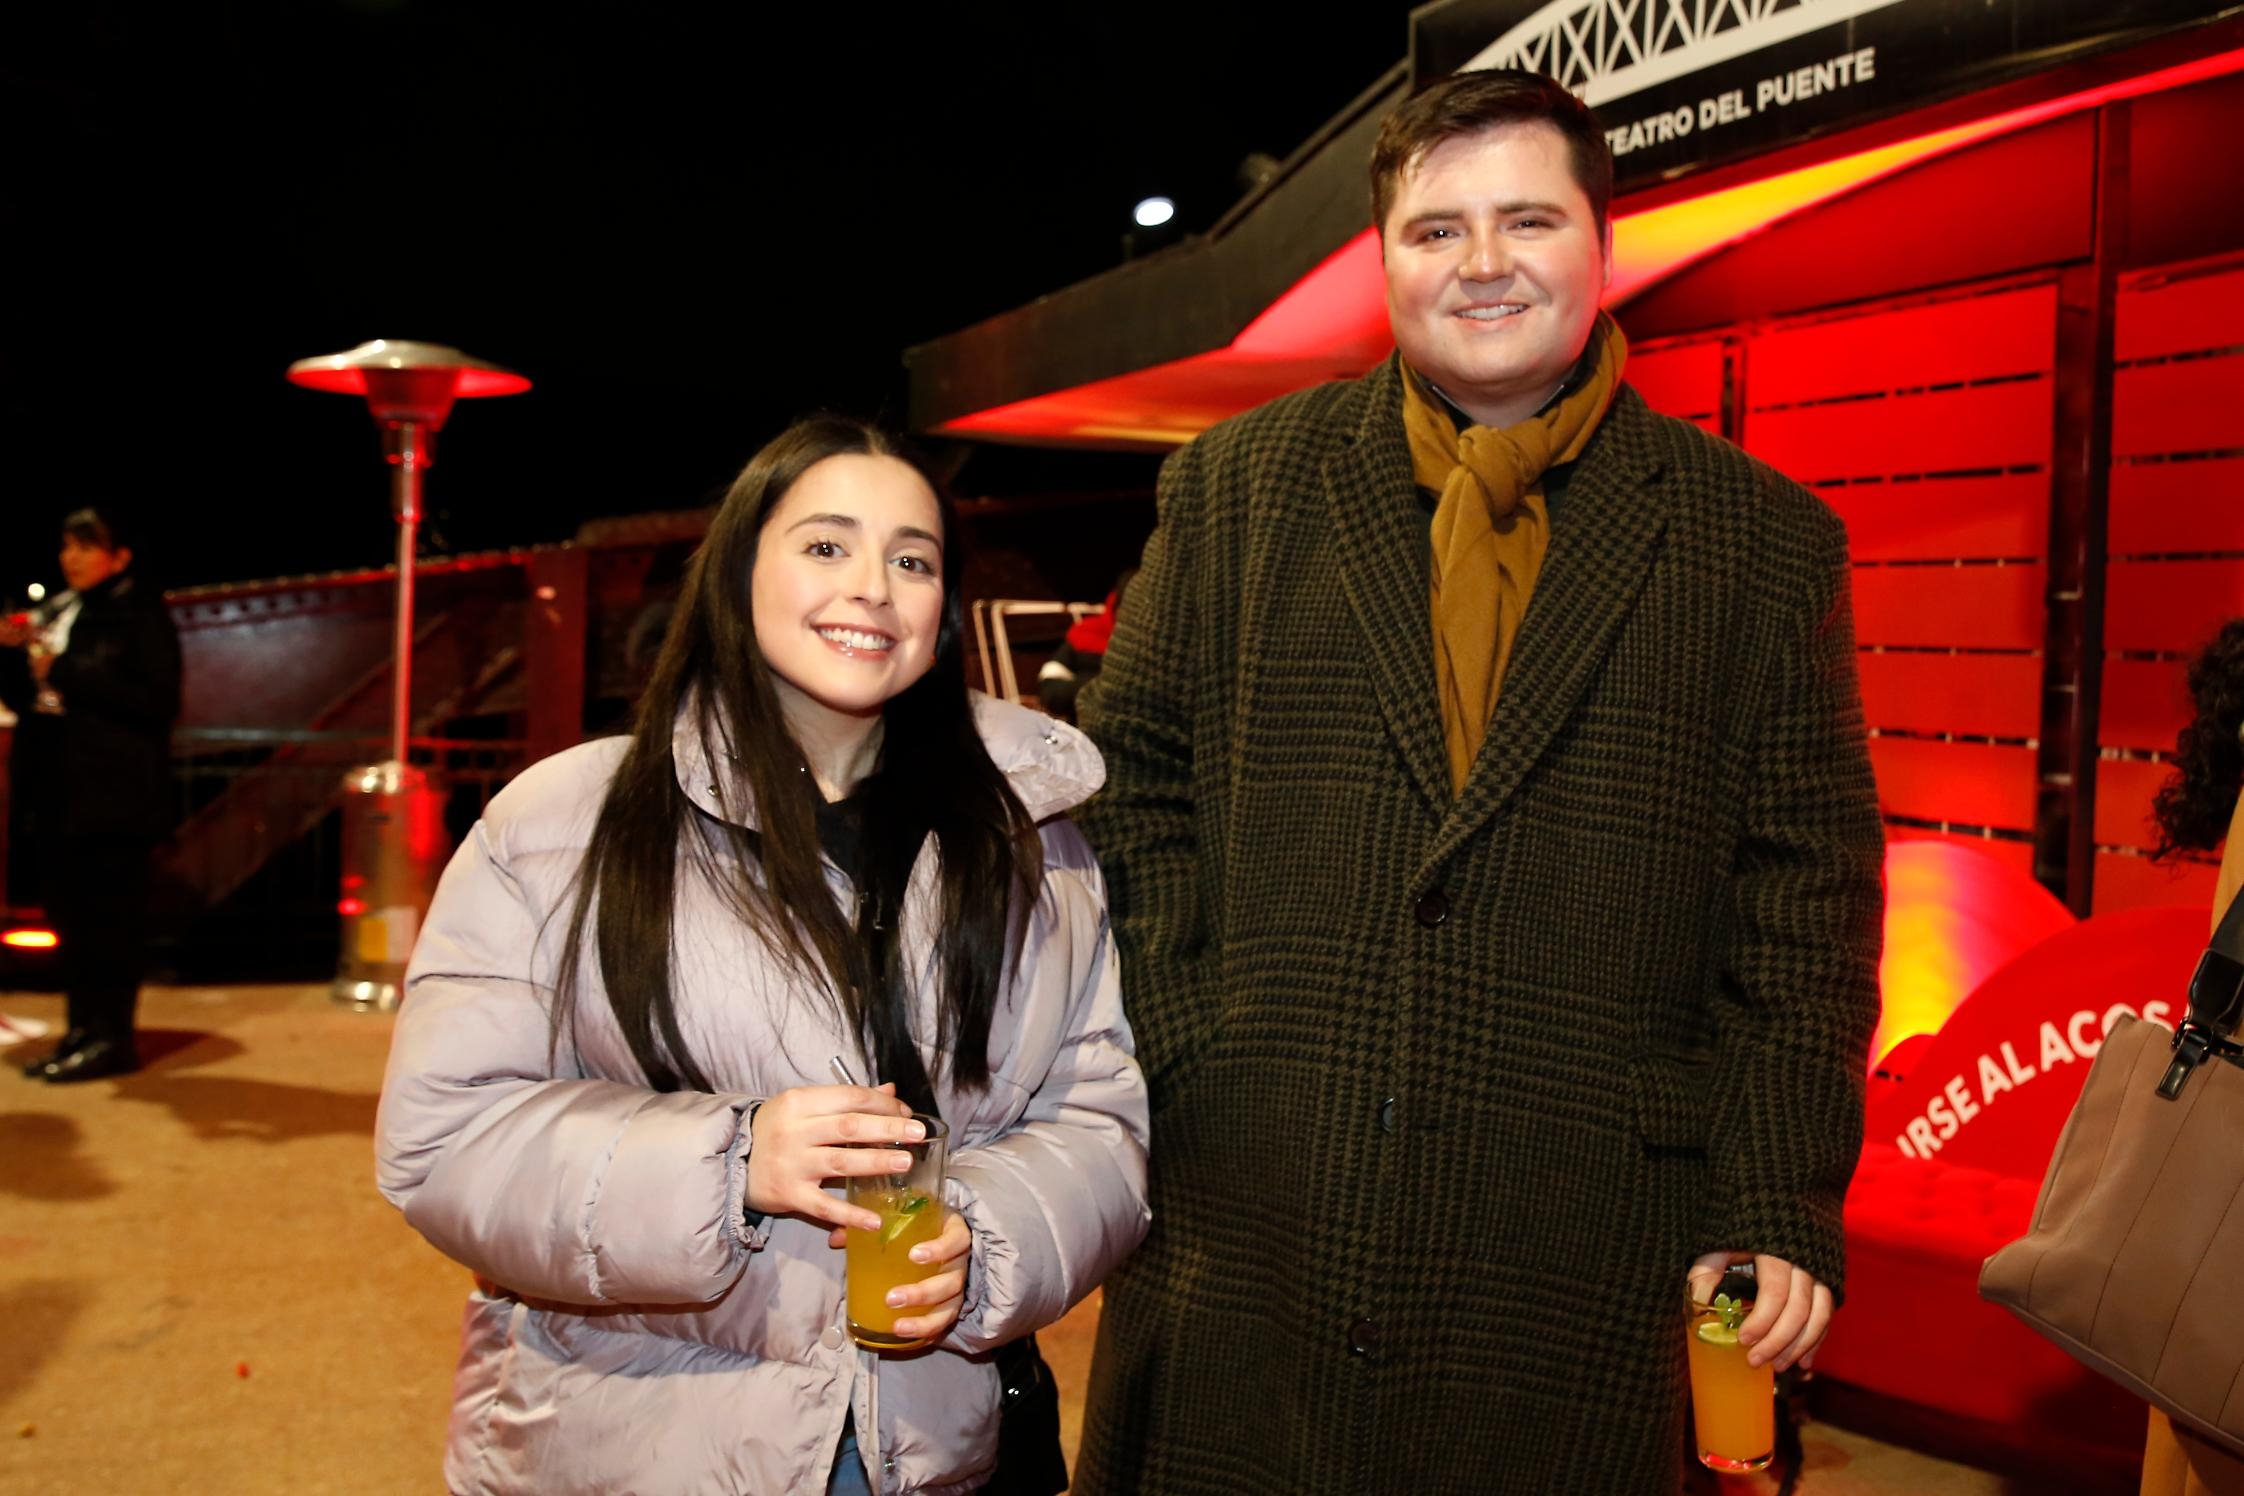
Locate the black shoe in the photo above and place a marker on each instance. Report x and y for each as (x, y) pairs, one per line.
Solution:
(72, 1042)
(96, 1059)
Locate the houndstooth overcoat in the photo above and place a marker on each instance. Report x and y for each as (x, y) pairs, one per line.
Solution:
(1449, 1089)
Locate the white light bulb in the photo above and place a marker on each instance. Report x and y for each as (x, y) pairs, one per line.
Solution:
(1153, 212)
(37, 592)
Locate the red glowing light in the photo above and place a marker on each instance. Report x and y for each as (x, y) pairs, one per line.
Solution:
(31, 940)
(474, 384)
(426, 840)
(354, 880)
(1332, 323)
(1954, 917)
(350, 906)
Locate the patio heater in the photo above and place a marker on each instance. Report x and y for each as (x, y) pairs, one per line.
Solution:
(393, 813)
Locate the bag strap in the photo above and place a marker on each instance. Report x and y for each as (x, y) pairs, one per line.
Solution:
(2216, 991)
(2216, 1002)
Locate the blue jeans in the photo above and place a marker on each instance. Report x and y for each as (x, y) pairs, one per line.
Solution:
(849, 1477)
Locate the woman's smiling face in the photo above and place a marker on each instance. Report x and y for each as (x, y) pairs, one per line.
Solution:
(847, 589)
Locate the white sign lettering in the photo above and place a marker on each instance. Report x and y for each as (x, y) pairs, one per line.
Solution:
(2001, 1072)
(1730, 106)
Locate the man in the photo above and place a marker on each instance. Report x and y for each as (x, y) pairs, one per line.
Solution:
(1495, 860)
(95, 688)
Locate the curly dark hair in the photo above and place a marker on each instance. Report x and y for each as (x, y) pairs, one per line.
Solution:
(2194, 807)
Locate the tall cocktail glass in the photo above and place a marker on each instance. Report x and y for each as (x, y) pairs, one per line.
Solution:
(1733, 1405)
(910, 1206)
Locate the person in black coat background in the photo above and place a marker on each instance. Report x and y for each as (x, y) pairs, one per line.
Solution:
(1081, 653)
(94, 682)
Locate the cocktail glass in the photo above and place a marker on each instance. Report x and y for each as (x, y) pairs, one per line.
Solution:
(1733, 1405)
(910, 1206)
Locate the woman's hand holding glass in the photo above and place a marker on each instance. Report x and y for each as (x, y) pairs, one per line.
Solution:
(805, 1136)
(941, 1294)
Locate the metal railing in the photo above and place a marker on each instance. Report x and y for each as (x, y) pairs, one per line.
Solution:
(993, 642)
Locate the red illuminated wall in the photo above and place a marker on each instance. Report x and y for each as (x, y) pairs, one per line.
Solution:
(1928, 428)
(1902, 352)
(1927, 424)
(2176, 547)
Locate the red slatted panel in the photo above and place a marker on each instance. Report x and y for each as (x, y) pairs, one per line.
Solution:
(1683, 381)
(2163, 508)
(1992, 696)
(1943, 519)
(2184, 316)
(1986, 426)
(2160, 508)
(2145, 704)
(1949, 342)
(2166, 605)
(2017, 855)
(1975, 784)
(2193, 406)
(2124, 787)
(2139, 883)
(1983, 607)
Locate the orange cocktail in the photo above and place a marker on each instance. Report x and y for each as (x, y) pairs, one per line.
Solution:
(881, 1260)
(1733, 1404)
(910, 1206)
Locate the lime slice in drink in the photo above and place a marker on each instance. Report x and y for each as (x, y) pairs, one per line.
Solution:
(1714, 1332)
(896, 1224)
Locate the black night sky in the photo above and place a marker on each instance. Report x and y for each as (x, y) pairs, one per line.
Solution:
(685, 223)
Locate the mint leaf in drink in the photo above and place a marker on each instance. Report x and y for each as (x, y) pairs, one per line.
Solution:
(901, 1219)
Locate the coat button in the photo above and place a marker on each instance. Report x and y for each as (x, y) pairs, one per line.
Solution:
(1363, 1337)
(833, 1338)
(1432, 908)
(1387, 1115)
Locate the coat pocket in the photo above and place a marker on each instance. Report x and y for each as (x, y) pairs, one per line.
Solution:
(1674, 1097)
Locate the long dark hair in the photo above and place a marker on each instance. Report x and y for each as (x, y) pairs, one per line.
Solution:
(2193, 808)
(939, 782)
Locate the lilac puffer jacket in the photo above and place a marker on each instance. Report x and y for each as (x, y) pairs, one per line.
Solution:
(629, 1332)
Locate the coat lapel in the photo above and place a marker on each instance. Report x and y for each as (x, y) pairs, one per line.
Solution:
(1601, 550)
(1386, 575)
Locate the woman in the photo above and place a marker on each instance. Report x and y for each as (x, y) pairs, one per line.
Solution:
(2198, 808)
(94, 681)
(609, 1090)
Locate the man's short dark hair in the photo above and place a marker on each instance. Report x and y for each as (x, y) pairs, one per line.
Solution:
(1489, 99)
(101, 525)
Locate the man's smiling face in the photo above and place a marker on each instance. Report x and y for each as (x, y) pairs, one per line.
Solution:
(1495, 264)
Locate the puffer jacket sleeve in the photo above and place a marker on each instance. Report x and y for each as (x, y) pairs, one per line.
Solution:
(559, 1187)
(1059, 1201)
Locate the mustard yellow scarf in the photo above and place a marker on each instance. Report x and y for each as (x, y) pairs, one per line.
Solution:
(1491, 530)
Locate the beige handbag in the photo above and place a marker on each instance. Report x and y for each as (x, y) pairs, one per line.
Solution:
(2135, 1261)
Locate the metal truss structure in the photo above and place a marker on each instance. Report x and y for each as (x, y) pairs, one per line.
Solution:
(1609, 49)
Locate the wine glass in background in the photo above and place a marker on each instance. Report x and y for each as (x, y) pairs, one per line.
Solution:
(31, 626)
